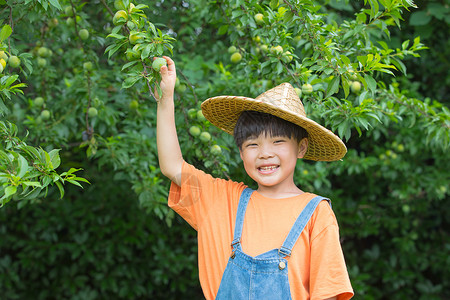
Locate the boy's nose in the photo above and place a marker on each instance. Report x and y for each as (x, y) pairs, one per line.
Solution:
(265, 152)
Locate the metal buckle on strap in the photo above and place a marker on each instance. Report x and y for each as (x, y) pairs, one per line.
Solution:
(283, 253)
(234, 242)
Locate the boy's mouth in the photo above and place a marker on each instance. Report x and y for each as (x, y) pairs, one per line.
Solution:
(268, 169)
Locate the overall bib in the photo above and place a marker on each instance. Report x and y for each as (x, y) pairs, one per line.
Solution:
(264, 276)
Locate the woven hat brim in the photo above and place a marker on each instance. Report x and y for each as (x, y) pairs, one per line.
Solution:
(224, 111)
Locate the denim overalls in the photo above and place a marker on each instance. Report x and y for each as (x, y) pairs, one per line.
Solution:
(266, 275)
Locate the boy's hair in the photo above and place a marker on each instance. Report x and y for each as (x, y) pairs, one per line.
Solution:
(253, 123)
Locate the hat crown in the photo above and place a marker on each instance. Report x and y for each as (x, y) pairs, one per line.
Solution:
(283, 97)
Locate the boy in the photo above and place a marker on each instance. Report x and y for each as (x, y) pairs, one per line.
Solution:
(277, 242)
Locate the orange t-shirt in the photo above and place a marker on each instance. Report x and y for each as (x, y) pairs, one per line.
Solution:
(316, 268)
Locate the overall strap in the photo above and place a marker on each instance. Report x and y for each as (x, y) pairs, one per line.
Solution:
(299, 225)
(239, 224)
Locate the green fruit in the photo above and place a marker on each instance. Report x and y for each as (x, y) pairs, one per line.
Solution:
(287, 57)
(42, 62)
(120, 17)
(53, 22)
(355, 86)
(1, 68)
(236, 57)
(92, 112)
(257, 39)
(406, 209)
(232, 49)
(307, 89)
(205, 137)
(194, 131)
(45, 114)
(14, 61)
(129, 54)
(68, 10)
(192, 113)
(181, 88)
(352, 75)
(84, 34)
(400, 147)
(2, 63)
(88, 66)
(132, 54)
(43, 52)
(264, 48)
(298, 91)
(277, 50)
(134, 104)
(200, 116)
(118, 4)
(158, 63)
(70, 21)
(38, 101)
(259, 19)
(134, 37)
(3, 55)
(215, 150)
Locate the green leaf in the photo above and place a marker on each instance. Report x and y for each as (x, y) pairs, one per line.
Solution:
(371, 83)
(74, 182)
(5, 32)
(32, 183)
(146, 52)
(55, 160)
(55, 3)
(23, 166)
(130, 81)
(362, 60)
(419, 18)
(346, 86)
(60, 188)
(223, 29)
(9, 191)
(333, 86)
(129, 64)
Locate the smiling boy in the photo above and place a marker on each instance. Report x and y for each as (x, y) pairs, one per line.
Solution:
(277, 242)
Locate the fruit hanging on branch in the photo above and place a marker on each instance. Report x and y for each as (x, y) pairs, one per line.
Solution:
(139, 41)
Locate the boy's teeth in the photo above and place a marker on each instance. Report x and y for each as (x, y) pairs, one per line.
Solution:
(268, 168)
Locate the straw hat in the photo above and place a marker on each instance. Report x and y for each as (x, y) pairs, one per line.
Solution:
(281, 101)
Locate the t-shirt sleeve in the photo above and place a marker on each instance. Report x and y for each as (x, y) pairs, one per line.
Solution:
(328, 273)
(199, 192)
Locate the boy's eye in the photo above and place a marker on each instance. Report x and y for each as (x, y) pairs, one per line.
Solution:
(278, 141)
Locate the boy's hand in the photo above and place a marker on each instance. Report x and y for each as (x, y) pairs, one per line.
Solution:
(168, 79)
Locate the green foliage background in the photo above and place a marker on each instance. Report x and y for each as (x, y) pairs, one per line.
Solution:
(115, 238)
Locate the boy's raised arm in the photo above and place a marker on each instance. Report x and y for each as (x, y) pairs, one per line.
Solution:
(169, 152)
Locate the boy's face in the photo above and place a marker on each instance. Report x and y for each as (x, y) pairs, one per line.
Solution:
(270, 161)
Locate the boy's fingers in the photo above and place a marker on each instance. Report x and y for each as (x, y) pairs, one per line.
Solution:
(170, 63)
(163, 70)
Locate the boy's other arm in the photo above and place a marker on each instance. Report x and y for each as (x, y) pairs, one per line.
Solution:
(169, 152)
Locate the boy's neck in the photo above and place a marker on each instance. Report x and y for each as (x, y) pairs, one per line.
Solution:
(277, 193)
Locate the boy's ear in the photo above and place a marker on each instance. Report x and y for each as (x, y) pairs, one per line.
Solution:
(302, 147)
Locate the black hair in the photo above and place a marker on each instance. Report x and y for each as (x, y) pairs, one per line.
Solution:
(252, 124)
